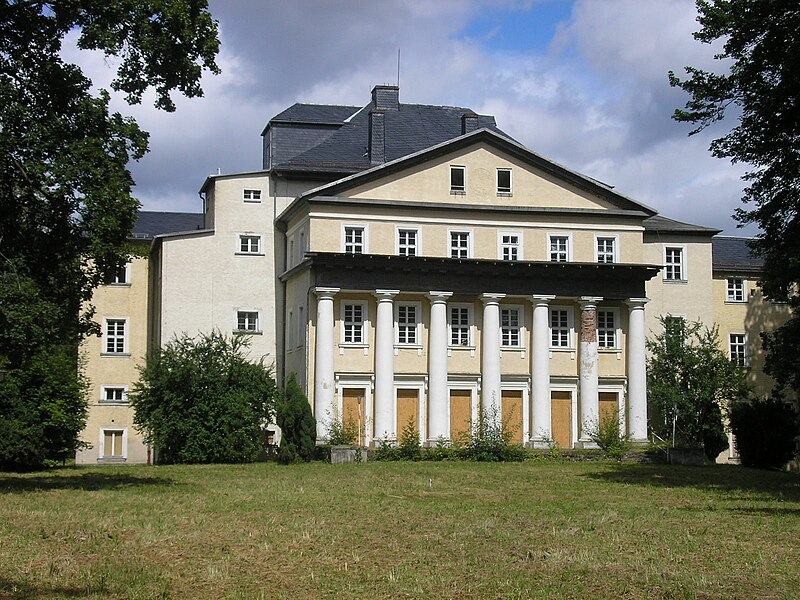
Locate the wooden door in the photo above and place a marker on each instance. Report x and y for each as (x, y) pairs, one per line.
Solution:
(354, 411)
(407, 410)
(512, 414)
(460, 415)
(608, 405)
(561, 418)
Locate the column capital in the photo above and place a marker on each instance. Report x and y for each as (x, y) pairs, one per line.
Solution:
(385, 294)
(438, 296)
(589, 302)
(326, 292)
(539, 299)
(492, 298)
(634, 303)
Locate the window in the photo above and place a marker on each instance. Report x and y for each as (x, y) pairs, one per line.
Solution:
(114, 394)
(510, 245)
(738, 349)
(458, 178)
(560, 328)
(120, 276)
(460, 326)
(354, 314)
(606, 249)
(559, 248)
(301, 327)
(249, 244)
(407, 242)
(290, 331)
(735, 290)
(510, 324)
(504, 181)
(354, 240)
(252, 195)
(407, 321)
(459, 244)
(115, 336)
(674, 269)
(247, 320)
(113, 443)
(606, 329)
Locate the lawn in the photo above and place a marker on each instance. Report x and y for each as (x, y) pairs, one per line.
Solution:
(400, 530)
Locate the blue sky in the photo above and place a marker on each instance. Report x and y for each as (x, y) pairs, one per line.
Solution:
(523, 28)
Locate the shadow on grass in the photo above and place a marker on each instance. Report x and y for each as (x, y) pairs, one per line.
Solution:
(22, 591)
(785, 486)
(11, 484)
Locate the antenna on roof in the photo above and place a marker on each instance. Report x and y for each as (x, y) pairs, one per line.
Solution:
(398, 67)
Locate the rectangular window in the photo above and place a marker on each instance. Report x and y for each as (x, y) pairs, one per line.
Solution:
(606, 329)
(407, 320)
(247, 320)
(301, 327)
(115, 336)
(510, 245)
(460, 326)
(250, 244)
(458, 180)
(354, 240)
(738, 348)
(114, 394)
(353, 323)
(673, 264)
(510, 327)
(113, 443)
(735, 290)
(559, 328)
(407, 242)
(504, 181)
(559, 248)
(252, 195)
(606, 249)
(120, 276)
(459, 244)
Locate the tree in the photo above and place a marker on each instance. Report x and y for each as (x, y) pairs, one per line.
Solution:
(66, 208)
(298, 426)
(199, 400)
(765, 431)
(761, 52)
(690, 384)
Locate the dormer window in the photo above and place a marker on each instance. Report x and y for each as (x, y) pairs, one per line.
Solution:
(504, 181)
(458, 180)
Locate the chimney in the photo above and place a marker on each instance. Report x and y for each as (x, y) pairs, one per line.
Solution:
(469, 122)
(386, 97)
(377, 137)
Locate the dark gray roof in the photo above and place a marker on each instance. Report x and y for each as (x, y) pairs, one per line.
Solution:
(150, 224)
(661, 224)
(733, 254)
(315, 113)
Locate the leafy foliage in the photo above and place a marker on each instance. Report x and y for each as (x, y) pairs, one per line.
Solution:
(766, 432)
(690, 382)
(199, 400)
(607, 433)
(490, 440)
(343, 433)
(297, 423)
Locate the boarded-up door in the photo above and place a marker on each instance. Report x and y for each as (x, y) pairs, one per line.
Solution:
(512, 414)
(407, 410)
(460, 415)
(561, 418)
(609, 405)
(353, 411)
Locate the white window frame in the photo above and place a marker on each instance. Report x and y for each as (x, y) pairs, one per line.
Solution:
(617, 330)
(301, 326)
(510, 189)
(101, 447)
(249, 310)
(683, 263)
(418, 325)
(743, 289)
(125, 336)
(450, 247)
(470, 325)
(109, 386)
(240, 237)
(290, 330)
(364, 237)
(520, 327)
(570, 327)
(501, 246)
(457, 190)
(251, 195)
(568, 237)
(399, 248)
(126, 270)
(743, 345)
(364, 320)
(614, 251)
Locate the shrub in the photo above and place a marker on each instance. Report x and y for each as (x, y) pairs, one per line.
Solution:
(766, 432)
(298, 426)
(490, 440)
(607, 434)
(342, 433)
(409, 447)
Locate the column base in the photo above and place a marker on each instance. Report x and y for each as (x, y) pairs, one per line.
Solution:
(435, 442)
(586, 444)
(639, 442)
(538, 444)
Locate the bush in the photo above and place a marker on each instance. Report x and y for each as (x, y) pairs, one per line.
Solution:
(343, 433)
(490, 440)
(607, 434)
(766, 432)
(298, 426)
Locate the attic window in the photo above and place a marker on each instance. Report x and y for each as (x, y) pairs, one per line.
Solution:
(504, 181)
(458, 177)
(252, 195)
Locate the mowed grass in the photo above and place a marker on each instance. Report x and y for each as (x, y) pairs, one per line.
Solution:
(401, 530)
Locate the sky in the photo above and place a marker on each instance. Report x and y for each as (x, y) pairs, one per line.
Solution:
(583, 82)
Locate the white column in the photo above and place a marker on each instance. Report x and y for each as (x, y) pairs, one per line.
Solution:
(323, 361)
(540, 371)
(384, 364)
(490, 354)
(589, 368)
(438, 423)
(637, 371)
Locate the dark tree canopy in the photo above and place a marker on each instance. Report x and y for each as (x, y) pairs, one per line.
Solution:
(297, 423)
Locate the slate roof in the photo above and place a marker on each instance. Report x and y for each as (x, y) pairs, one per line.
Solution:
(733, 254)
(661, 224)
(151, 223)
(315, 113)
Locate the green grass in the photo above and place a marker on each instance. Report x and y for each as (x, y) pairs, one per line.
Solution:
(377, 530)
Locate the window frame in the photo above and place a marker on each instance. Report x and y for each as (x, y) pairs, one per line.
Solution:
(417, 343)
(570, 328)
(106, 387)
(364, 320)
(107, 338)
(241, 237)
(520, 327)
(470, 308)
(469, 248)
(735, 358)
(743, 289)
(417, 238)
(501, 246)
(247, 310)
(364, 237)
(614, 251)
(505, 192)
(101, 447)
(616, 330)
(568, 237)
(455, 189)
(683, 263)
(254, 195)
(126, 273)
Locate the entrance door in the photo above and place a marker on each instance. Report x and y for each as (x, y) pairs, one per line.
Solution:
(609, 405)
(460, 415)
(354, 411)
(512, 414)
(407, 410)
(561, 418)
